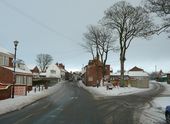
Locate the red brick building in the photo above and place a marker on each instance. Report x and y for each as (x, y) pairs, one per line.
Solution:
(23, 76)
(92, 73)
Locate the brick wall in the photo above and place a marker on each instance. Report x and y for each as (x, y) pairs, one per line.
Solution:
(10, 62)
(20, 90)
(5, 93)
(6, 76)
(91, 77)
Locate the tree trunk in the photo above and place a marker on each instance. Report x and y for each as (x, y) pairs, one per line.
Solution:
(103, 73)
(104, 67)
(122, 72)
(97, 70)
(122, 61)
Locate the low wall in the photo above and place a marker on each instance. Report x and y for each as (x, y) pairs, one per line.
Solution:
(140, 83)
(20, 90)
(5, 91)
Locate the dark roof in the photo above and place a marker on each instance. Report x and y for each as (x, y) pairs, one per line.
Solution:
(35, 70)
(136, 69)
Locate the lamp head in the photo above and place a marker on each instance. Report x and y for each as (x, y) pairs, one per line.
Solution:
(16, 43)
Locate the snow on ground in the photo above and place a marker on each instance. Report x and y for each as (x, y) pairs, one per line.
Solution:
(164, 99)
(116, 91)
(155, 113)
(19, 102)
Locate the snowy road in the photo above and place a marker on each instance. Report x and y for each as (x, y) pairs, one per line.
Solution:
(69, 105)
(73, 105)
(128, 109)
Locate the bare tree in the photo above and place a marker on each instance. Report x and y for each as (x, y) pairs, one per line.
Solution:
(92, 45)
(127, 22)
(89, 46)
(162, 9)
(106, 44)
(99, 41)
(43, 60)
(92, 40)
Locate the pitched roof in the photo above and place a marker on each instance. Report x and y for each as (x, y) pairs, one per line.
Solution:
(136, 69)
(18, 70)
(35, 70)
(138, 74)
(95, 62)
(5, 51)
(133, 74)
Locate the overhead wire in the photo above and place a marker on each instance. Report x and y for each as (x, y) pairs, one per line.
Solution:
(43, 25)
(34, 20)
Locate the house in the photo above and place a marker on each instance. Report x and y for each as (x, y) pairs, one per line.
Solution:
(6, 57)
(53, 71)
(162, 77)
(36, 72)
(116, 77)
(92, 73)
(136, 77)
(52, 75)
(140, 78)
(23, 76)
(62, 70)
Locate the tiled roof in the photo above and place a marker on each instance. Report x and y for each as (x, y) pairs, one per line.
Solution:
(136, 69)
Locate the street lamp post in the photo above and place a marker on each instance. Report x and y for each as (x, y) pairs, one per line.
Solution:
(14, 63)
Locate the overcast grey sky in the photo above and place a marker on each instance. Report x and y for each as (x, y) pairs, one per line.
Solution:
(56, 27)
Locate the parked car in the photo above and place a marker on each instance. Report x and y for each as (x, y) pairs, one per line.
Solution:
(167, 114)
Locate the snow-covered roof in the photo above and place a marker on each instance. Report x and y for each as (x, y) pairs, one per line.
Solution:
(43, 74)
(137, 74)
(63, 70)
(118, 73)
(5, 51)
(18, 70)
(133, 74)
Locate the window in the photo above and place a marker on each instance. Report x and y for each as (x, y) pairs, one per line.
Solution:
(25, 80)
(1, 60)
(29, 80)
(90, 79)
(53, 71)
(4, 60)
(19, 79)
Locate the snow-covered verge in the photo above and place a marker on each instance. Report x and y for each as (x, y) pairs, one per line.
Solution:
(19, 102)
(155, 112)
(116, 91)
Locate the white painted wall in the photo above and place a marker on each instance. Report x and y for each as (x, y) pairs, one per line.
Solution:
(53, 71)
